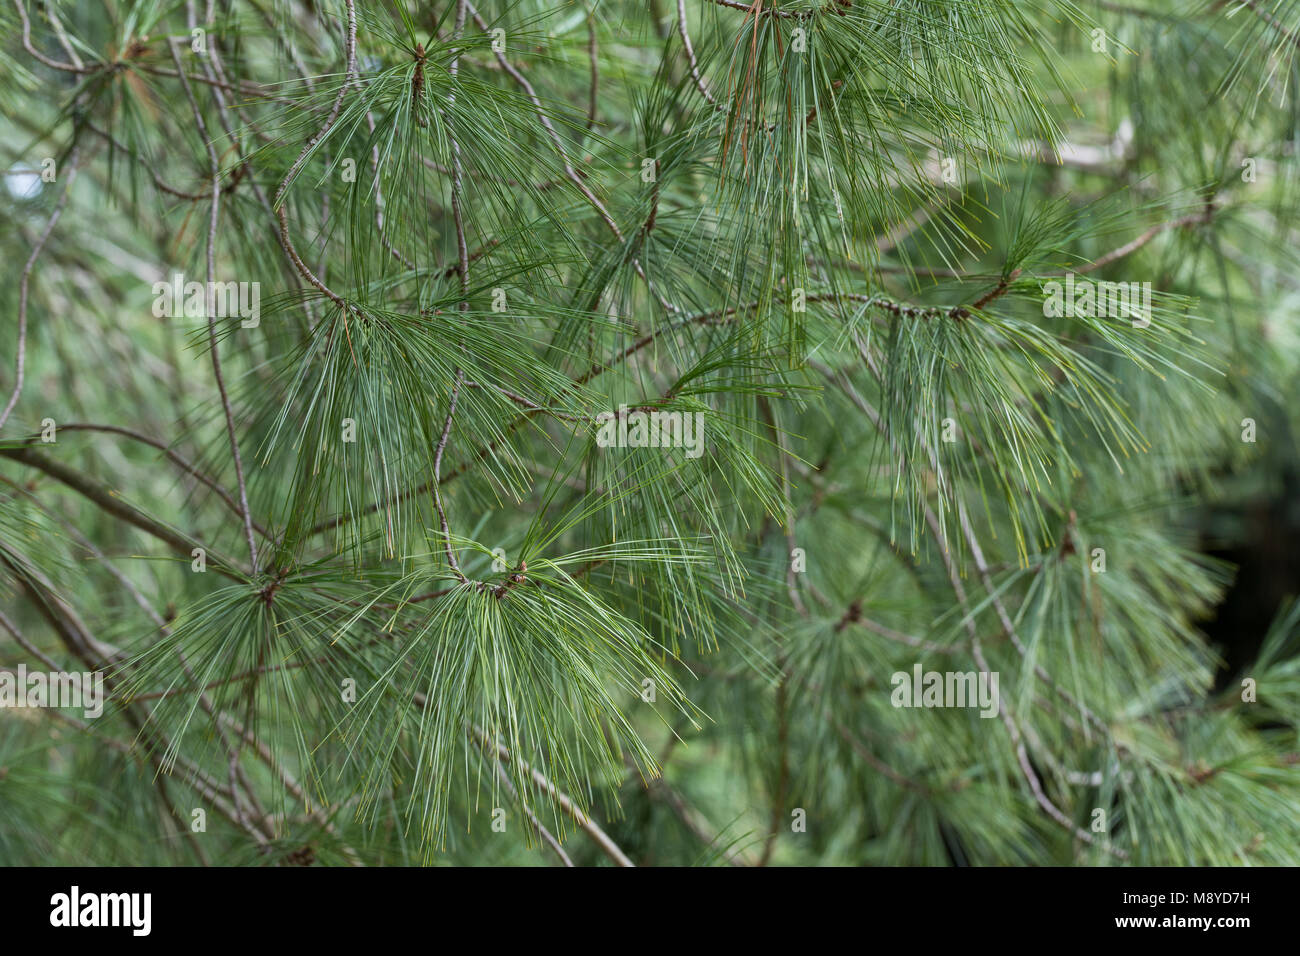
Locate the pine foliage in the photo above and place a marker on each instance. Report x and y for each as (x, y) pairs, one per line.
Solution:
(366, 584)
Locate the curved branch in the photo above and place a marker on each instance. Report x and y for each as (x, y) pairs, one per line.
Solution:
(20, 362)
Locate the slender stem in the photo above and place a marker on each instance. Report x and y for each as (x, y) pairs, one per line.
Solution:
(213, 347)
(111, 502)
(172, 455)
(437, 469)
(561, 799)
(41, 57)
(462, 258)
(285, 240)
(24, 281)
(544, 834)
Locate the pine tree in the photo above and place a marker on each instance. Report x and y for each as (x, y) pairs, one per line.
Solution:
(606, 432)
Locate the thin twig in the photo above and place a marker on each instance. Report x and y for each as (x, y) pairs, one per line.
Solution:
(112, 502)
(24, 281)
(213, 346)
(51, 63)
(172, 455)
(462, 254)
(330, 120)
(546, 836)
(585, 823)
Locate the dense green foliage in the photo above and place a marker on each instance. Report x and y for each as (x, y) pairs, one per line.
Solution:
(368, 584)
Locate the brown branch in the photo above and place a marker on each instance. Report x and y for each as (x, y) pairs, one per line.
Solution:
(462, 252)
(1255, 8)
(853, 615)
(78, 640)
(235, 179)
(172, 455)
(756, 9)
(213, 347)
(544, 834)
(593, 52)
(877, 764)
(569, 171)
(24, 281)
(285, 240)
(585, 823)
(111, 502)
(51, 63)
(1198, 218)
(690, 56)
